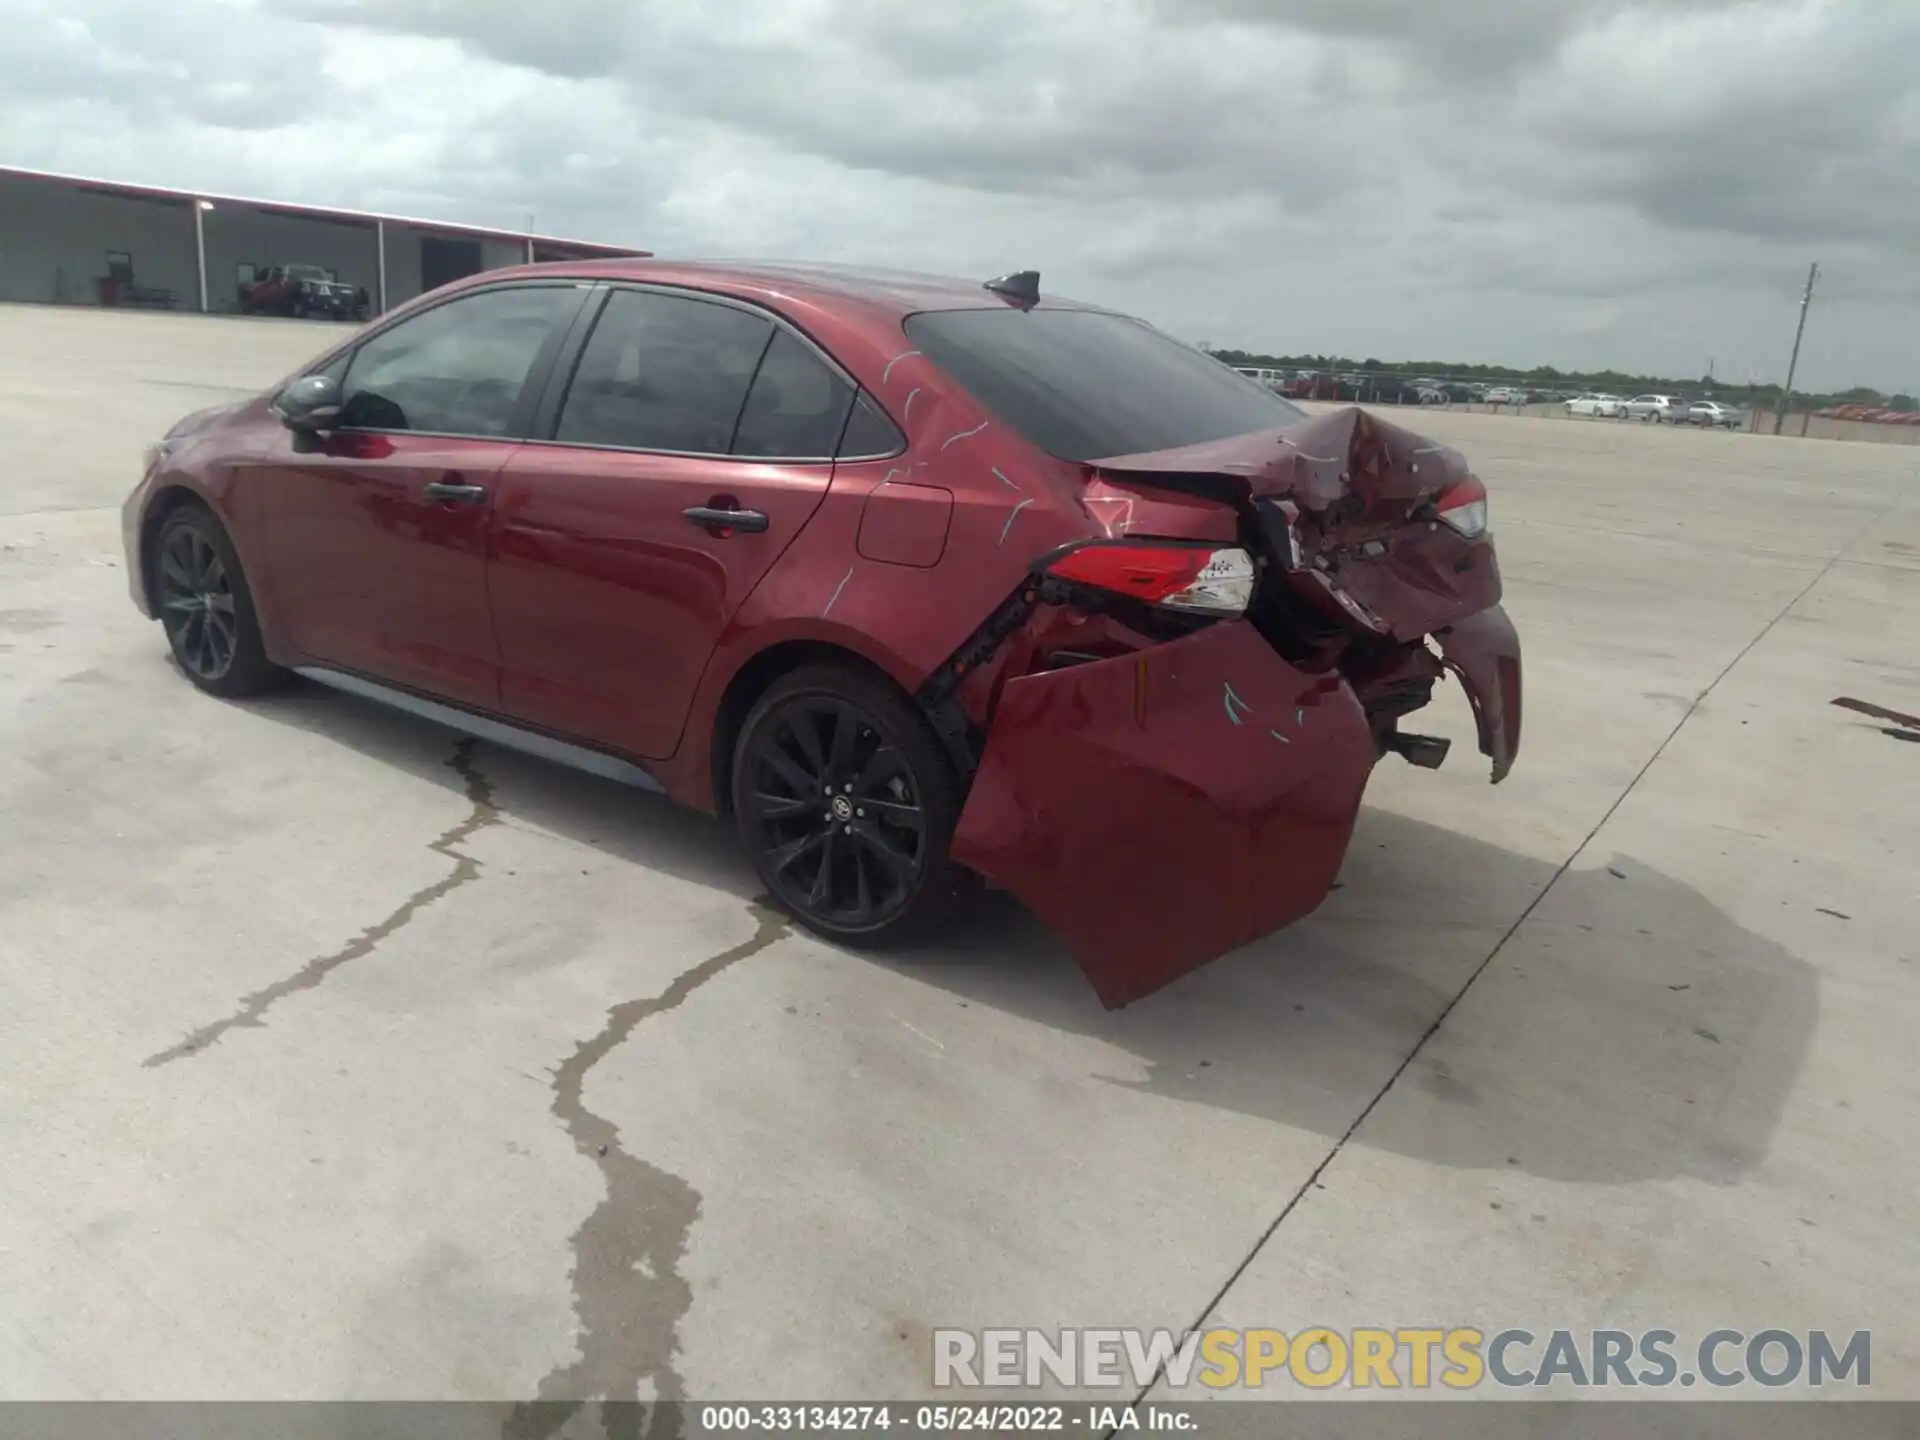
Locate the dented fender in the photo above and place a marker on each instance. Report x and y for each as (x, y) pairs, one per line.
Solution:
(1483, 651)
(1159, 809)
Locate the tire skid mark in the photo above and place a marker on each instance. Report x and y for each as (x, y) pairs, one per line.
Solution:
(252, 1010)
(628, 1294)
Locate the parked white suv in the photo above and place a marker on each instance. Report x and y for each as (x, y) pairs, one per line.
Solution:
(1656, 408)
(1604, 405)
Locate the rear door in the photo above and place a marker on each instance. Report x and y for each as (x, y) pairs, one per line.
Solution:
(692, 440)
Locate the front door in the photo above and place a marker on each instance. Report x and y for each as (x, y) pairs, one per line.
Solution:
(378, 535)
(616, 563)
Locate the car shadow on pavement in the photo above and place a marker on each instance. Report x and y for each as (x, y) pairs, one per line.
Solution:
(1629, 1030)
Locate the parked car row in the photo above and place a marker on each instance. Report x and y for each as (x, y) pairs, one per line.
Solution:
(1377, 389)
(1872, 413)
(1659, 409)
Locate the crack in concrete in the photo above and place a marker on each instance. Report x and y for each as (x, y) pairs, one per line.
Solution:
(628, 1294)
(253, 1008)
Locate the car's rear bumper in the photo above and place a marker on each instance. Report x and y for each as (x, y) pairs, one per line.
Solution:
(1483, 652)
(1160, 809)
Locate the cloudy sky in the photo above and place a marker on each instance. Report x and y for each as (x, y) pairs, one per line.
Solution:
(1569, 182)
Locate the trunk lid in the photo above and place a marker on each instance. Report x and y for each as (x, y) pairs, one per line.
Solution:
(1345, 506)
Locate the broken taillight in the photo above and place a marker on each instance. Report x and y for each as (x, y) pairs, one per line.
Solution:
(1200, 579)
(1464, 507)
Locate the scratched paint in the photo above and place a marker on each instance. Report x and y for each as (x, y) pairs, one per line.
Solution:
(834, 599)
(1012, 515)
(964, 434)
(887, 374)
(906, 410)
(1231, 701)
(1006, 482)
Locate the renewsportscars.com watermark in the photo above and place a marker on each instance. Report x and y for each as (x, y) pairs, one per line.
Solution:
(1461, 1358)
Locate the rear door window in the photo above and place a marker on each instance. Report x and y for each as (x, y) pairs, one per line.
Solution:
(870, 435)
(797, 407)
(1085, 384)
(665, 372)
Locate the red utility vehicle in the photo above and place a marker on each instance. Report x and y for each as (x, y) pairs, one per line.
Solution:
(911, 579)
(300, 291)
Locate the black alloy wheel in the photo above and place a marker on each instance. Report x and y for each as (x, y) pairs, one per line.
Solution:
(204, 606)
(847, 803)
(196, 604)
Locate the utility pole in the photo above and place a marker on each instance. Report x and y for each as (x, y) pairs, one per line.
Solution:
(1786, 395)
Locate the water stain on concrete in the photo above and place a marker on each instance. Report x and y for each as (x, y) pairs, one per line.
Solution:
(252, 1009)
(628, 1294)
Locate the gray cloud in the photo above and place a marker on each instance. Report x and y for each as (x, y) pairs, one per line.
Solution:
(1448, 43)
(1582, 183)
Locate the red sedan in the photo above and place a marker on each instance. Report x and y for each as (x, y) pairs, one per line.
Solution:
(911, 579)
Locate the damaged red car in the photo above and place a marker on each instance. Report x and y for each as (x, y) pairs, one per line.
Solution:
(911, 579)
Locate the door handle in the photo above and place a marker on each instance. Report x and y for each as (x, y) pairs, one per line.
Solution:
(453, 490)
(709, 517)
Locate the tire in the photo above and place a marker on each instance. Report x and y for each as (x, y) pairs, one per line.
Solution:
(882, 876)
(205, 607)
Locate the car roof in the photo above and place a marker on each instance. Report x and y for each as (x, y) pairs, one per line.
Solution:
(901, 292)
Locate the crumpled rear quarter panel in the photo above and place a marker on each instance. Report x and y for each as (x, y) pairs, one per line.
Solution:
(1160, 809)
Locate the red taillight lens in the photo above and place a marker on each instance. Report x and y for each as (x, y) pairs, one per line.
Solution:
(1464, 507)
(1198, 578)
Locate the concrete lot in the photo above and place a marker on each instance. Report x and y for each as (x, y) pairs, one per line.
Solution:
(338, 1058)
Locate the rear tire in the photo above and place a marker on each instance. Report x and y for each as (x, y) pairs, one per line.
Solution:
(206, 609)
(847, 803)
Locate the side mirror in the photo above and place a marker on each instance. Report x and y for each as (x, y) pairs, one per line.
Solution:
(310, 405)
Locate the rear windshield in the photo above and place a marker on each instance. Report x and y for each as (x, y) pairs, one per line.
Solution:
(1083, 385)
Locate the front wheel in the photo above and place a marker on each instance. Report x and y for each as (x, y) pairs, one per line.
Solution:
(206, 608)
(847, 804)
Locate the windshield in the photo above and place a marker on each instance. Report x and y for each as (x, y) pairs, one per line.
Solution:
(305, 272)
(1084, 385)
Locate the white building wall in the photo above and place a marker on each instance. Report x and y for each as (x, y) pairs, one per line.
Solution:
(54, 241)
(237, 234)
(404, 278)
